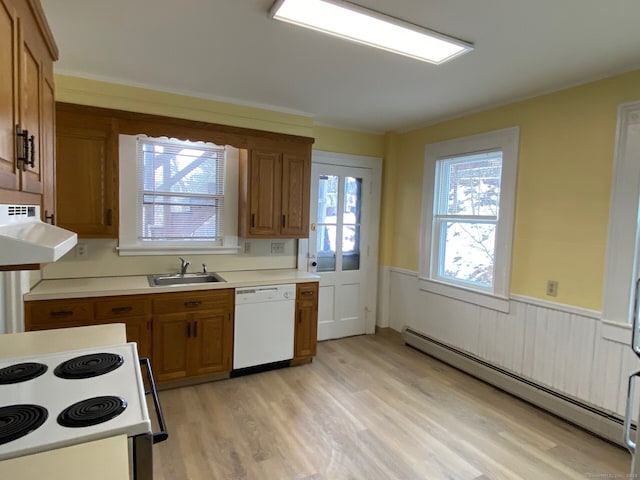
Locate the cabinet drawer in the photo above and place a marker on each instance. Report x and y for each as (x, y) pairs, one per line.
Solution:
(192, 301)
(306, 291)
(116, 307)
(42, 313)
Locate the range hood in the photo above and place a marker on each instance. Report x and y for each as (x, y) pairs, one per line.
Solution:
(25, 239)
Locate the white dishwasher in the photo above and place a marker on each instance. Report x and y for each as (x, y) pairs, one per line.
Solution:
(264, 325)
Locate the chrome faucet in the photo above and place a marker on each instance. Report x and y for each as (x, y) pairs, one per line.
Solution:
(184, 265)
(204, 268)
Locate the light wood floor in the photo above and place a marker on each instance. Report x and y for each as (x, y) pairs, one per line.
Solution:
(370, 408)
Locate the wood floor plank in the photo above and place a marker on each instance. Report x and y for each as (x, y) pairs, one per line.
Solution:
(370, 408)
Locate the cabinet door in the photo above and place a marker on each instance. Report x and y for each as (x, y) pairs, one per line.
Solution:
(296, 171)
(8, 97)
(132, 310)
(264, 188)
(85, 181)
(48, 149)
(306, 329)
(211, 342)
(31, 54)
(139, 331)
(170, 352)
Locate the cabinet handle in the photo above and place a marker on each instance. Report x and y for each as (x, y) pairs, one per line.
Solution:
(253, 220)
(32, 152)
(195, 329)
(188, 329)
(284, 217)
(61, 313)
(22, 147)
(50, 218)
(308, 292)
(109, 217)
(121, 309)
(194, 303)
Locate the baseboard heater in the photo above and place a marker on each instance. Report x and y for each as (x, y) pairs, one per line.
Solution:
(599, 422)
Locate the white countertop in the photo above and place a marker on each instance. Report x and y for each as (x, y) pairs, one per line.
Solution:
(106, 459)
(138, 284)
(61, 339)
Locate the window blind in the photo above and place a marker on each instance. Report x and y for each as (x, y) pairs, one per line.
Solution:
(181, 190)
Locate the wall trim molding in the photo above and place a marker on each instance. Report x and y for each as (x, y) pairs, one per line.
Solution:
(560, 307)
(404, 271)
(615, 332)
(538, 302)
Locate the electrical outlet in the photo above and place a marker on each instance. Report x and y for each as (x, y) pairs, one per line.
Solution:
(247, 247)
(82, 250)
(552, 288)
(277, 247)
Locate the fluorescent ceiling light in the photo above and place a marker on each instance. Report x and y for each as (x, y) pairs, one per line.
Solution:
(358, 24)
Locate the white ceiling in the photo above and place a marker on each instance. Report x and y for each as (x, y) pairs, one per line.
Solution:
(231, 50)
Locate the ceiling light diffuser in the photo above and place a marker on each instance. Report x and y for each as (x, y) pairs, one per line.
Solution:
(358, 24)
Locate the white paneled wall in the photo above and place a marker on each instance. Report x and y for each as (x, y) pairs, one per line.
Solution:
(568, 349)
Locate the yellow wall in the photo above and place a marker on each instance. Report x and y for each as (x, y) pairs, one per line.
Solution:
(346, 141)
(102, 258)
(566, 153)
(567, 144)
(122, 97)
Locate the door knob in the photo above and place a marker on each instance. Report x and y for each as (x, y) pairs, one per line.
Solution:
(314, 264)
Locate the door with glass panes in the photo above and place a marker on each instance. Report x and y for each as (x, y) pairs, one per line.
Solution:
(338, 246)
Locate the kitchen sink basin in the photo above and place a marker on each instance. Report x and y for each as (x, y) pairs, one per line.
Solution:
(165, 280)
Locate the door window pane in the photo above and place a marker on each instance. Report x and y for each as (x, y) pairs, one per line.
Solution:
(328, 199)
(326, 248)
(352, 200)
(351, 223)
(351, 247)
(327, 223)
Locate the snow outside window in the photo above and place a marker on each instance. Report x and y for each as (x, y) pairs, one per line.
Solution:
(466, 205)
(468, 209)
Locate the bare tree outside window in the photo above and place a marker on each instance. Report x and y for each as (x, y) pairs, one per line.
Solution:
(466, 211)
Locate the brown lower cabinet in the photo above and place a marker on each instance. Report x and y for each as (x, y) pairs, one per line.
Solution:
(186, 334)
(306, 328)
(132, 310)
(192, 334)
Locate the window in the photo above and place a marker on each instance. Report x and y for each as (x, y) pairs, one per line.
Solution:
(468, 209)
(179, 193)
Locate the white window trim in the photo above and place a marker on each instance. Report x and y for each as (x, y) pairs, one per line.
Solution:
(130, 245)
(623, 258)
(506, 140)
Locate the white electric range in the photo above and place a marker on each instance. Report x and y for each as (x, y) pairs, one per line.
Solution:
(62, 399)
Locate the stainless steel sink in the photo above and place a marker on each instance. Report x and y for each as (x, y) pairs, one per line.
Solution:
(165, 280)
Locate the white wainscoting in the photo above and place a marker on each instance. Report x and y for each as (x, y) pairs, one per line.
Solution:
(572, 350)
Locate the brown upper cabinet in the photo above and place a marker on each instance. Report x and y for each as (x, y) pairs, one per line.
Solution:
(274, 170)
(87, 174)
(274, 193)
(27, 116)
